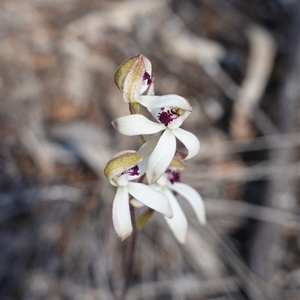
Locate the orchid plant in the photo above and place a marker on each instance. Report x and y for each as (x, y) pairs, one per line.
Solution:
(157, 162)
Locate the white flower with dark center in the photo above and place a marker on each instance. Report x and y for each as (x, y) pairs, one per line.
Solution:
(169, 111)
(120, 171)
(169, 183)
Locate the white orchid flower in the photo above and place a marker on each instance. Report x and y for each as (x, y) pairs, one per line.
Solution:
(120, 171)
(170, 111)
(167, 184)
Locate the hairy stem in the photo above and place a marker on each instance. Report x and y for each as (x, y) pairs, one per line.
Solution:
(130, 265)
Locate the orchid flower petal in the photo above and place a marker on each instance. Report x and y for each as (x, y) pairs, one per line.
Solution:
(136, 124)
(161, 156)
(193, 197)
(121, 213)
(136, 203)
(150, 197)
(189, 140)
(146, 150)
(172, 100)
(178, 223)
(150, 91)
(148, 70)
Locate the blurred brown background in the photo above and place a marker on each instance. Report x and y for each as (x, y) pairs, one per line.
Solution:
(238, 64)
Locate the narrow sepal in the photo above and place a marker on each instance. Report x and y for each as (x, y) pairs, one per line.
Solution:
(172, 100)
(161, 156)
(136, 124)
(150, 197)
(193, 197)
(178, 223)
(189, 140)
(121, 213)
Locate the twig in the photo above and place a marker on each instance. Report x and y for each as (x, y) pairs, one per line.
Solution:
(190, 285)
(242, 209)
(288, 140)
(257, 286)
(260, 63)
(244, 174)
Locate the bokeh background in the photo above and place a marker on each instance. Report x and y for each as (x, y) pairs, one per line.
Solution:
(237, 61)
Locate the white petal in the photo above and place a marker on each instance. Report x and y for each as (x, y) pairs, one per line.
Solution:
(148, 69)
(146, 150)
(178, 223)
(148, 65)
(136, 124)
(150, 90)
(189, 140)
(121, 213)
(172, 100)
(144, 87)
(193, 197)
(150, 197)
(162, 156)
(136, 203)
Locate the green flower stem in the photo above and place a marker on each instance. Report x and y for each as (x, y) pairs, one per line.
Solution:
(143, 218)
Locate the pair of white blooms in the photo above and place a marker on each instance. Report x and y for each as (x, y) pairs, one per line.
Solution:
(155, 159)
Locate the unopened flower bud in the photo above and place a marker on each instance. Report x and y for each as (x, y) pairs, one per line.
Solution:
(133, 77)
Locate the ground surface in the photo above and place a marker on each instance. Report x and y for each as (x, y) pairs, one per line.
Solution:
(238, 64)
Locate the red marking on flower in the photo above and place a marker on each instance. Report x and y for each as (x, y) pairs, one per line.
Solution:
(147, 77)
(174, 176)
(167, 116)
(132, 171)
